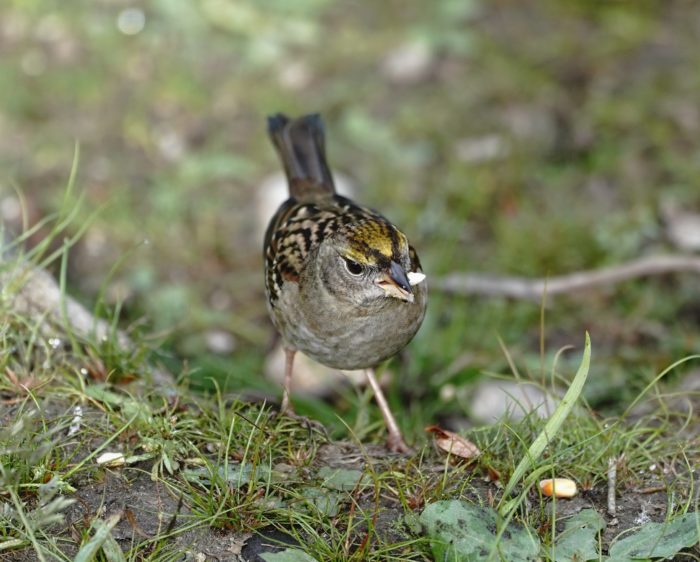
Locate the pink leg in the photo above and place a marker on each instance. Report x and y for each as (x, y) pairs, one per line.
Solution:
(288, 364)
(394, 441)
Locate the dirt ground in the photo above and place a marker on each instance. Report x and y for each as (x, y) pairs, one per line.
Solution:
(150, 509)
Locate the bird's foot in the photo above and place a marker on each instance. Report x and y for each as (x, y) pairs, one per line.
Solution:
(307, 423)
(396, 444)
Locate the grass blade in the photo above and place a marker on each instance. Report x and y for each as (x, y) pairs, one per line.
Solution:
(88, 552)
(550, 429)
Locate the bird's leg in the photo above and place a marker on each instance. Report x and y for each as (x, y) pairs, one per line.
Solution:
(288, 365)
(286, 409)
(394, 441)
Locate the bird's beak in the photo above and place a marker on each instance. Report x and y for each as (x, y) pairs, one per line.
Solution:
(395, 283)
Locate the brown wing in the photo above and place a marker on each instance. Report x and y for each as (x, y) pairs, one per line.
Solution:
(293, 233)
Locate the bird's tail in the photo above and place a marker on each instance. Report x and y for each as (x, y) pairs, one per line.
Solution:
(300, 144)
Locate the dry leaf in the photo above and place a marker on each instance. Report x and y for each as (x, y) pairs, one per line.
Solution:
(23, 385)
(492, 474)
(453, 443)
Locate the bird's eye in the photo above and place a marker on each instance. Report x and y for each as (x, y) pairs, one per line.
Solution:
(353, 267)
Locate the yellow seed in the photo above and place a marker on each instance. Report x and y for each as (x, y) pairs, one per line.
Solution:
(559, 487)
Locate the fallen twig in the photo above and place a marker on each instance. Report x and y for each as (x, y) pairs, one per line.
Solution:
(533, 289)
(652, 490)
(612, 485)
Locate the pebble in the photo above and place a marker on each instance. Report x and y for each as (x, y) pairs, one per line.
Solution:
(495, 399)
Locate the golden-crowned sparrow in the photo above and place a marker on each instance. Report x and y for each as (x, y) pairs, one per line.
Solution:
(343, 284)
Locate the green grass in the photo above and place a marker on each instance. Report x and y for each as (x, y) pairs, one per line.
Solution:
(235, 467)
(152, 228)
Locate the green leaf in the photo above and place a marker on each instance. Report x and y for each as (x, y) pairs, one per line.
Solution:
(342, 479)
(111, 550)
(659, 540)
(578, 541)
(136, 408)
(325, 502)
(288, 555)
(234, 474)
(133, 459)
(412, 522)
(102, 393)
(103, 528)
(12, 543)
(462, 532)
(130, 407)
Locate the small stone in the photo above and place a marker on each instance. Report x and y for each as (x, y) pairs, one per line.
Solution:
(408, 63)
(10, 209)
(481, 149)
(220, 341)
(309, 378)
(492, 400)
(682, 226)
(295, 75)
(171, 144)
(111, 460)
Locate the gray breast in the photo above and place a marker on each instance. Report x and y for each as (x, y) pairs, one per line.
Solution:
(349, 339)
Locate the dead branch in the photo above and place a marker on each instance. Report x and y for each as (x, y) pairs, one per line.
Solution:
(612, 486)
(532, 289)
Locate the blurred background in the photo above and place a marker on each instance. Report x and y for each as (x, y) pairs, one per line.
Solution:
(513, 137)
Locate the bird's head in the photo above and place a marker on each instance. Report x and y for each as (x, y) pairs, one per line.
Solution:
(370, 261)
